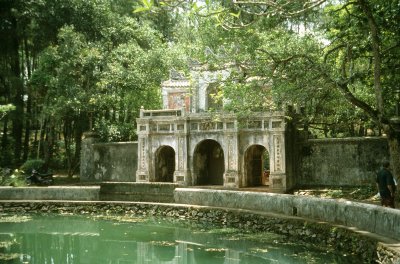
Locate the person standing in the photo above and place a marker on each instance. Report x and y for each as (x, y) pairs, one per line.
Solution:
(386, 185)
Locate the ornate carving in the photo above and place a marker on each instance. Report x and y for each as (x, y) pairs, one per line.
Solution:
(278, 152)
(180, 155)
(143, 153)
(231, 157)
(206, 126)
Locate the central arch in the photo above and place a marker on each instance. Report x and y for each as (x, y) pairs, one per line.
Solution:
(165, 164)
(209, 166)
(256, 162)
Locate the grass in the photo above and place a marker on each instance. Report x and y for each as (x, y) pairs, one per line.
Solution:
(358, 193)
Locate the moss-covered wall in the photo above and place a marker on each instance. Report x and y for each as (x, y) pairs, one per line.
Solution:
(313, 162)
(368, 217)
(341, 162)
(115, 161)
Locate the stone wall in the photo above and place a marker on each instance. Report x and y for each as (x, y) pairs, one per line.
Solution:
(320, 162)
(137, 191)
(108, 161)
(341, 162)
(69, 193)
(87, 162)
(115, 161)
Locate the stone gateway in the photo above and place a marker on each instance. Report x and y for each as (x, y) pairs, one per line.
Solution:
(186, 143)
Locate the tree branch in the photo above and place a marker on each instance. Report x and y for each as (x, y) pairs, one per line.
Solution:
(374, 31)
(280, 8)
(332, 50)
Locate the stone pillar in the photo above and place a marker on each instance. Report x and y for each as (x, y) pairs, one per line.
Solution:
(278, 167)
(142, 173)
(182, 173)
(87, 168)
(143, 132)
(231, 175)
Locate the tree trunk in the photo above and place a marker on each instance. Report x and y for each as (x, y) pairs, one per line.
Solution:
(5, 155)
(41, 136)
(81, 124)
(17, 117)
(375, 41)
(67, 131)
(27, 131)
(393, 138)
(29, 103)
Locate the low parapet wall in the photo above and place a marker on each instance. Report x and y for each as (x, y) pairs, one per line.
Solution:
(73, 193)
(137, 191)
(367, 217)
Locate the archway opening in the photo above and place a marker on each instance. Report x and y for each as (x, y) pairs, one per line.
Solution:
(256, 166)
(209, 163)
(165, 164)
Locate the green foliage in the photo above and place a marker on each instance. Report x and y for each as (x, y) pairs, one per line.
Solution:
(91, 65)
(318, 58)
(83, 76)
(112, 132)
(4, 109)
(14, 178)
(76, 63)
(33, 164)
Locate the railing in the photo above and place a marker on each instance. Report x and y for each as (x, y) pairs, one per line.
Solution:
(161, 113)
(207, 122)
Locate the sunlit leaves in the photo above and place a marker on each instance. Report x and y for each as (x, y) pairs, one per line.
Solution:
(146, 5)
(4, 109)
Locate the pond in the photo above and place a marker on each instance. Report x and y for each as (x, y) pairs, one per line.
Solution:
(39, 239)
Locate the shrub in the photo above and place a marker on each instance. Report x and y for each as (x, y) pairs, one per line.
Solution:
(33, 164)
(15, 178)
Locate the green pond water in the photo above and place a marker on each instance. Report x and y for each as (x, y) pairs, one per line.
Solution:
(54, 239)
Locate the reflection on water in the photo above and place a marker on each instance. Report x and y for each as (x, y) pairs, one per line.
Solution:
(68, 239)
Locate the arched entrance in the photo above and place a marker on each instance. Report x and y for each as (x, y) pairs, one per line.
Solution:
(208, 165)
(165, 164)
(256, 162)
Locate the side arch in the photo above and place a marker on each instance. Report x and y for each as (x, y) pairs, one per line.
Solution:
(164, 164)
(256, 166)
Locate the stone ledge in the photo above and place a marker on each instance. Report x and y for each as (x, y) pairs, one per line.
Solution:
(375, 219)
(75, 193)
(347, 139)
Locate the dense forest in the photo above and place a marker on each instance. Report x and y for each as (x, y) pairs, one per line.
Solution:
(67, 67)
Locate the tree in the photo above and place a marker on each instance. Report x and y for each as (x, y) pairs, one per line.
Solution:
(310, 52)
(99, 84)
(72, 66)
